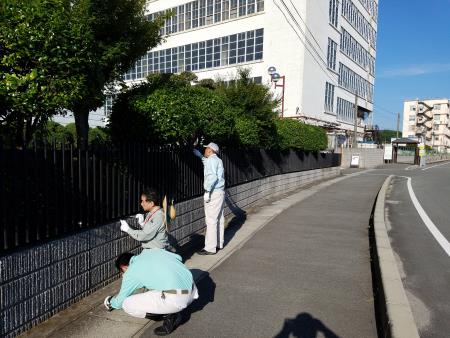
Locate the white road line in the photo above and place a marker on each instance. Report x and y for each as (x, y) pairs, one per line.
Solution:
(410, 167)
(430, 225)
(437, 165)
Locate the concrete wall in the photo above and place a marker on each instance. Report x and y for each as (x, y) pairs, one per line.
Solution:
(369, 158)
(40, 281)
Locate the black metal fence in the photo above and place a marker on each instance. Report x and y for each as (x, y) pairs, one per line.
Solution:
(52, 190)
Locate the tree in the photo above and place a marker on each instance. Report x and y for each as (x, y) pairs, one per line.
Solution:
(168, 109)
(386, 135)
(120, 35)
(41, 43)
(253, 107)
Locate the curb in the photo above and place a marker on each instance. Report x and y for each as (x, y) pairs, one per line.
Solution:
(395, 311)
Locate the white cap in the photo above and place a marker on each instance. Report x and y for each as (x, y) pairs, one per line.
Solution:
(213, 146)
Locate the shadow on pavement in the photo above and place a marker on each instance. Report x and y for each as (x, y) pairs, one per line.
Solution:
(206, 290)
(304, 326)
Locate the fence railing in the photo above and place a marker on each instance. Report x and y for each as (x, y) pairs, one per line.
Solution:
(50, 191)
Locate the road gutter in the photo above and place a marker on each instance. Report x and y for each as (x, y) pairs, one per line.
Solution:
(394, 313)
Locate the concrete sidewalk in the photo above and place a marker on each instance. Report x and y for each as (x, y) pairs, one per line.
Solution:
(297, 266)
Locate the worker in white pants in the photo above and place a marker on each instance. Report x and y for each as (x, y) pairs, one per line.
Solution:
(215, 220)
(214, 197)
(170, 284)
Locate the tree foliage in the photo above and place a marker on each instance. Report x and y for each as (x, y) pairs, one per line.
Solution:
(41, 43)
(293, 134)
(168, 109)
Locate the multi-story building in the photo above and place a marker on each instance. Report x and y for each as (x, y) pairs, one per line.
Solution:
(323, 50)
(428, 120)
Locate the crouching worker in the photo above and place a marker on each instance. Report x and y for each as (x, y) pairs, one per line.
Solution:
(170, 284)
(153, 232)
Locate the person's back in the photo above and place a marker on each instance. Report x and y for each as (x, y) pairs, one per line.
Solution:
(160, 270)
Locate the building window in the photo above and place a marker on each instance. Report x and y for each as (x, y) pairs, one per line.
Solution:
(355, 51)
(412, 117)
(333, 12)
(355, 83)
(412, 108)
(219, 52)
(412, 128)
(352, 14)
(437, 107)
(329, 97)
(437, 117)
(345, 110)
(331, 54)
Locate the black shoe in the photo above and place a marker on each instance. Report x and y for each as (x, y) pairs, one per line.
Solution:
(154, 317)
(170, 323)
(204, 252)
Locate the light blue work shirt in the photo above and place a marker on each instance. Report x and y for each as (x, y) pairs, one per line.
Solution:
(155, 269)
(213, 172)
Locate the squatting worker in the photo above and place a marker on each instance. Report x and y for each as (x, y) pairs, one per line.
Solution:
(153, 233)
(170, 284)
(214, 197)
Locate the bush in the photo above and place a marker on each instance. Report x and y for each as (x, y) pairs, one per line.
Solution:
(292, 134)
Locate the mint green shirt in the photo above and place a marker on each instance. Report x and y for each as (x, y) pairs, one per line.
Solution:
(155, 269)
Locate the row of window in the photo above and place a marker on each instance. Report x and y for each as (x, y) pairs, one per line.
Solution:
(372, 7)
(357, 20)
(329, 97)
(345, 110)
(435, 107)
(227, 50)
(333, 12)
(201, 13)
(331, 54)
(357, 52)
(355, 83)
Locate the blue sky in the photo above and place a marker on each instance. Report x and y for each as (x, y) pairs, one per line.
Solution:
(413, 55)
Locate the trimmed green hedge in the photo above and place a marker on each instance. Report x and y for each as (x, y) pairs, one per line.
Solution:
(293, 134)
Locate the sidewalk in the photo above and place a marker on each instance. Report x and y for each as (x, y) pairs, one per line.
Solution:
(297, 266)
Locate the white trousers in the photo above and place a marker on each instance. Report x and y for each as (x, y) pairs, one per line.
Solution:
(214, 220)
(153, 301)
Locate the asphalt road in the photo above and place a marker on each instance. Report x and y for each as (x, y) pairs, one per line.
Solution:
(305, 274)
(424, 264)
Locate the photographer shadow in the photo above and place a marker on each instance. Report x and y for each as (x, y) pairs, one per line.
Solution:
(304, 326)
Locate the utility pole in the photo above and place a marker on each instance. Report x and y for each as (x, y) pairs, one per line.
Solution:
(398, 122)
(355, 131)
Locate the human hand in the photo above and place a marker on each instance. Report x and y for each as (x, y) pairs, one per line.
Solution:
(107, 303)
(140, 219)
(124, 226)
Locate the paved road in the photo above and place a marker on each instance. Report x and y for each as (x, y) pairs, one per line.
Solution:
(305, 274)
(424, 263)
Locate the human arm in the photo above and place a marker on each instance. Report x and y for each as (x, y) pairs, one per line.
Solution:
(150, 229)
(129, 285)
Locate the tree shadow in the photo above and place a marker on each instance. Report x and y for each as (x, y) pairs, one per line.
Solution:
(304, 326)
(206, 290)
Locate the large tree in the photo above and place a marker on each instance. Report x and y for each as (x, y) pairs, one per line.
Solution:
(41, 43)
(121, 34)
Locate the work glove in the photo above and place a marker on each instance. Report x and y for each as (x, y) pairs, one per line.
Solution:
(197, 153)
(124, 226)
(140, 219)
(107, 303)
(208, 199)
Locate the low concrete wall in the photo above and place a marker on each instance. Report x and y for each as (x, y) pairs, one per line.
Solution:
(38, 282)
(438, 158)
(368, 158)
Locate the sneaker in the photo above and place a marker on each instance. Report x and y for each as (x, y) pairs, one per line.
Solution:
(170, 323)
(204, 252)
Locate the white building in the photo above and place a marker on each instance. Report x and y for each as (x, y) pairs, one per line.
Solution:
(428, 120)
(323, 50)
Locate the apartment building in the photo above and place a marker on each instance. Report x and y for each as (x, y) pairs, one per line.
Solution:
(428, 120)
